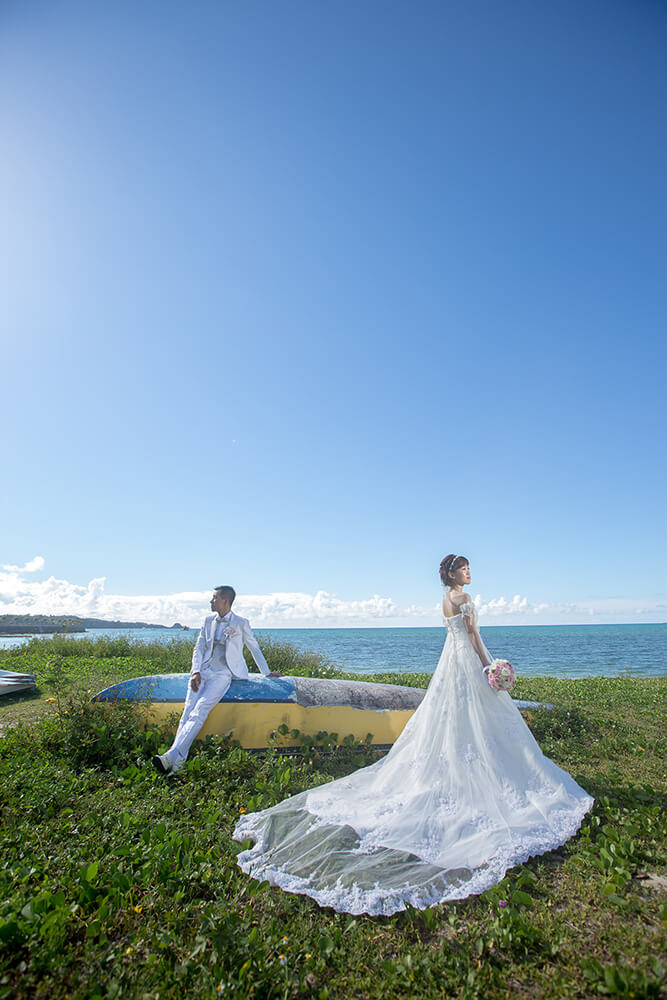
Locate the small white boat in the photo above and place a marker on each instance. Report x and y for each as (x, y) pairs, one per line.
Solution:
(13, 683)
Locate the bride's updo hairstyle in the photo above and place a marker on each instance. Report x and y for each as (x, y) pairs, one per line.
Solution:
(449, 565)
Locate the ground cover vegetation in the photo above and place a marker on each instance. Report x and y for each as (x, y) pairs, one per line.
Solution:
(117, 883)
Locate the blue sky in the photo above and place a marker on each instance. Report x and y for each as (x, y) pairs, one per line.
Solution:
(303, 297)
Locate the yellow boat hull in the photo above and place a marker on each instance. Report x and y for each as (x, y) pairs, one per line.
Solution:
(252, 724)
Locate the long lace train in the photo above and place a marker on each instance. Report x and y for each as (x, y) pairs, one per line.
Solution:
(464, 794)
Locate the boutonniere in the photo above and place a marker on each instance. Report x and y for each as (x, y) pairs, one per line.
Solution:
(230, 631)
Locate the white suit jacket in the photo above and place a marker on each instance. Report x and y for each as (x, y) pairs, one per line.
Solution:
(242, 636)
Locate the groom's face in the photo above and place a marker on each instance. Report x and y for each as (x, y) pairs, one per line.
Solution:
(220, 604)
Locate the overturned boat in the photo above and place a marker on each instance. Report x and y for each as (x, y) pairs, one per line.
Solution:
(252, 710)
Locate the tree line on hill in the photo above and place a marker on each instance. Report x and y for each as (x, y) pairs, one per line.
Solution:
(41, 624)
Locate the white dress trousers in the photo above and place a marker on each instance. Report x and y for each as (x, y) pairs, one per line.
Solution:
(215, 680)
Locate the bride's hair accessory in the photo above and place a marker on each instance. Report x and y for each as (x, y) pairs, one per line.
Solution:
(502, 675)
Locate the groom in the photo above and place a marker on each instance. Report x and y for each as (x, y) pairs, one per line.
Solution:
(217, 659)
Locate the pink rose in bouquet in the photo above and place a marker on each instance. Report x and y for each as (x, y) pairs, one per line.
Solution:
(502, 676)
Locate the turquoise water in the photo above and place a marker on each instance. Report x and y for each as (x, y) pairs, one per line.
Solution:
(557, 650)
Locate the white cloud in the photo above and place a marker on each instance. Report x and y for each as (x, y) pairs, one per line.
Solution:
(22, 593)
(53, 596)
(499, 606)
(60, 597)
(320, 608)
(30, 567)
(520, 611)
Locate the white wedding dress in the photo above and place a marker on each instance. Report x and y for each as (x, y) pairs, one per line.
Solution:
(464, 794)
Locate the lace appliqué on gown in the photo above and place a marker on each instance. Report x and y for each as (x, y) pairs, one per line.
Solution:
(464, 794)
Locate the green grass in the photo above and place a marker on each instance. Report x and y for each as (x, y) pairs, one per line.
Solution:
(91, 664)
(116, 883)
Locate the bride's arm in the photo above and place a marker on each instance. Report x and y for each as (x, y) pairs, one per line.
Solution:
(476, 641)
(470, 622)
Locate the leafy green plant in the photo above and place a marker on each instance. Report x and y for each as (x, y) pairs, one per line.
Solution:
(623, 980)
(321, 746)
(57, 678)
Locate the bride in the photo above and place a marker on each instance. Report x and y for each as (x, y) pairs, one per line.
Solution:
(464, 794)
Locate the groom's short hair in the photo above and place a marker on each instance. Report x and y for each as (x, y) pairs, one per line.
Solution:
(227, 594)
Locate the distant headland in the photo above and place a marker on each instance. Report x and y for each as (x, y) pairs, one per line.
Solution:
(46, 624)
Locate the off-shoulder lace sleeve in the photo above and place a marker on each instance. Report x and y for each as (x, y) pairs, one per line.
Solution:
(468, 610)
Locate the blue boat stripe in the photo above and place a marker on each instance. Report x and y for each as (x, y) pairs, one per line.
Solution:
(174, 688)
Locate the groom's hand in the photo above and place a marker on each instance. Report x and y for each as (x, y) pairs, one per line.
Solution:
(195, 681)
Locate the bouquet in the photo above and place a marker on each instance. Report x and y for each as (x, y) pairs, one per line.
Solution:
(501, 674)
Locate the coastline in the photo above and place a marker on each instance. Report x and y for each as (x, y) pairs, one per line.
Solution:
(557, 651)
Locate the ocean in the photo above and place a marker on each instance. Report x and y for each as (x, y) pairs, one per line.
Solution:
(554, 650)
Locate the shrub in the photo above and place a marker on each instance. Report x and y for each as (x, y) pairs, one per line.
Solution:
(286, 658)
(101, 734)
